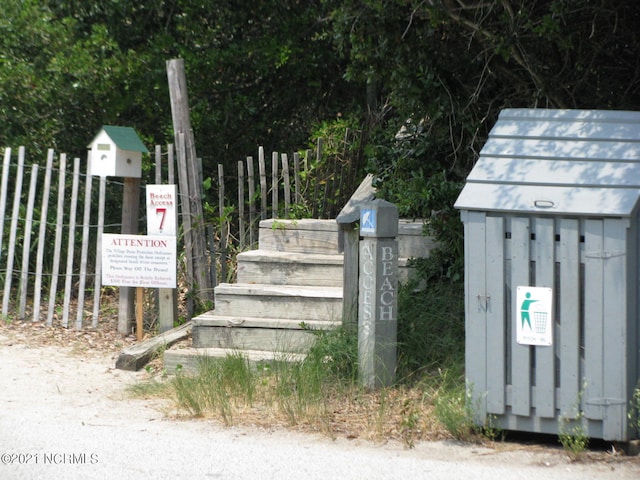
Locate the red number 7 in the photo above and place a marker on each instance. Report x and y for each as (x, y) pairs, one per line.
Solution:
(163, 212)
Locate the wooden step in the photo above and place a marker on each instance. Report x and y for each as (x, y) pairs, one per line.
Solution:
(289, 268)
(300, 303)
(299, 236)
(251, 333)
(188, 360)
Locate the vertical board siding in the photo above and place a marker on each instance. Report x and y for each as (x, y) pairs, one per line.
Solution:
(521, 354)
(545, 356)
(614, 319)
(568, 343)
(593, 315)
(495, 315)
(475, 325)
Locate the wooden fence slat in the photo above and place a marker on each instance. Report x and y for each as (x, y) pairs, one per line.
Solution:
(521, 354)
(223, 225)
(71, 243)
(171, 164)
(55, 269)
(13, 232)
(252, 203)
(569, 298)
(593, 319)
(316, 188)
(545, 356)
(241, 239)
(263, 184)
(186, 218)
(296, 178)
(6, 165)
(287, 186)
(26, 243)
(86, 219)
(494, 304)
(44, 211)
(274, 185)
(158, 157)
(97, 283)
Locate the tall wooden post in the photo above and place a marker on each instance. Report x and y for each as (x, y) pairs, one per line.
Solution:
(130, 206)
(201, 283)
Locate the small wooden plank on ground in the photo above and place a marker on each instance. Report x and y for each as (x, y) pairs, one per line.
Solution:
(137, 356)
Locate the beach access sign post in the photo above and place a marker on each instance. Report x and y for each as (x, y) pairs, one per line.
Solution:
(378, 294)
(145, 261)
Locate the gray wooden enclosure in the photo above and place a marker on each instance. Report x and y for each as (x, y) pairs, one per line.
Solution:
(553, 202)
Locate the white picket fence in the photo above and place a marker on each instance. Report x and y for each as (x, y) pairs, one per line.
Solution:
(42, 237)
(53, 216)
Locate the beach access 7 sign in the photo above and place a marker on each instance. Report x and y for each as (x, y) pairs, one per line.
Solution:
(139, 260)
(161, 209)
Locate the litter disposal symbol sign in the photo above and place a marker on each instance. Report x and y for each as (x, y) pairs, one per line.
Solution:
(534, 319)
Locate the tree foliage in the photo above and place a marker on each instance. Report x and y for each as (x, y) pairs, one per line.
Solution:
(423, 80)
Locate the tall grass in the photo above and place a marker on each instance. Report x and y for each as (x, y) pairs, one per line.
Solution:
(322, 392)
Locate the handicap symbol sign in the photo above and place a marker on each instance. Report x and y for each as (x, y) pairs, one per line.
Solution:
(368, 221)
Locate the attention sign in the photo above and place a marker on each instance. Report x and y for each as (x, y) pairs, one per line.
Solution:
(139, 260)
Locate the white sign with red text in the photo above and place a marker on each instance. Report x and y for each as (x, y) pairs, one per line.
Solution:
(161, 209)
(139, 260)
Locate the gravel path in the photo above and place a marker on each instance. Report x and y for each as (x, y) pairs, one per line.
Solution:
(66, 416)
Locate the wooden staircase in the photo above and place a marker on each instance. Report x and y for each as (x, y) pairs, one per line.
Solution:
(291, 285)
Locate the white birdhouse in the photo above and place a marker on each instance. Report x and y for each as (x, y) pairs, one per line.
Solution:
(116, 152)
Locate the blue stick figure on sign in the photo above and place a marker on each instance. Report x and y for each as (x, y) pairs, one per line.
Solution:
(524, 309)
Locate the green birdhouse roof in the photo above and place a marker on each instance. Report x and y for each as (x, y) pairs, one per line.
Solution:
(125, 138)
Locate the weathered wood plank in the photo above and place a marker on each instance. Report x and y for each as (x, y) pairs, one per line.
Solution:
(521, 354)
(615, 361)
(44, 209)
(13, 232)
(545, 356)
(26, 243)
(68, 280)
(285, 268)
(301, 236)
(137, 356)
(593, 318)
(568, 345)
(495, 315)
(57, 245)
(475, 312)
(97, 283)
(263, 183)
(84, 249)
(279, 301)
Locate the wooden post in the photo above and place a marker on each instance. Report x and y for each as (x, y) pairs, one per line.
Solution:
(68, 279)
(97, 283)
(296, 168)
(167, 298)
(26, 243)
(44, 209)
(13, 231)
(130, 207)
(224, 229)
(263, 184)
(182, 126)
(252, 203)
(185, 208)
(139, 313)
(287, 186)
(57, 245)
(274, 185)
(241, 204)
(86, 217)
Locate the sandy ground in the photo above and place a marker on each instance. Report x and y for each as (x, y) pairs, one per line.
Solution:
(66, 413)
